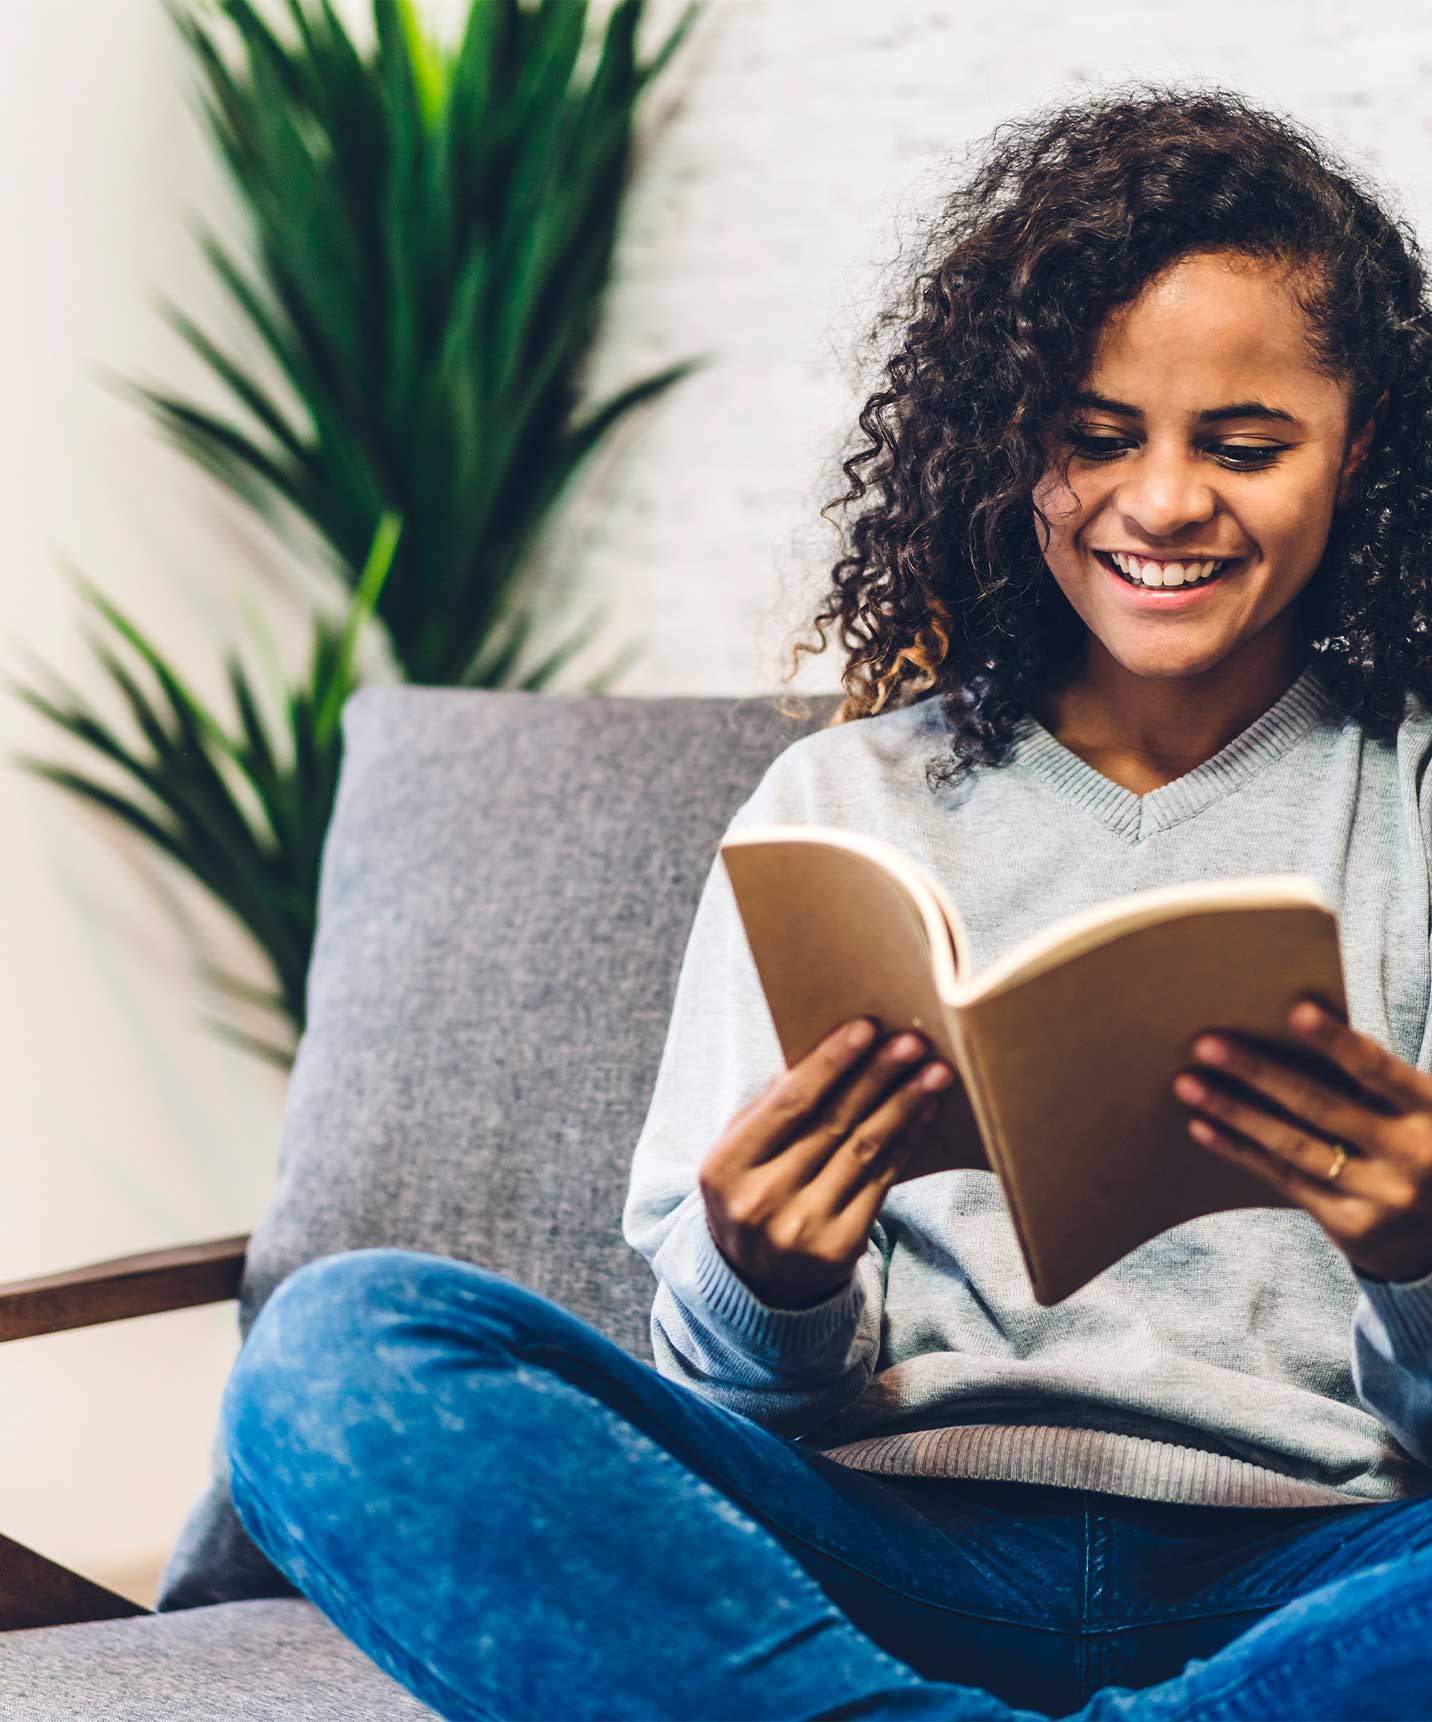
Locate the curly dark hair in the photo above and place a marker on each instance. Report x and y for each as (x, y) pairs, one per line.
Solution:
(1066, 216)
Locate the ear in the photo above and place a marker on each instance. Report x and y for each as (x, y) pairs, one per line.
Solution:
(1357, 452)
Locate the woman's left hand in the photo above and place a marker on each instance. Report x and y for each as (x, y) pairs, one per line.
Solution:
(1378, 1210)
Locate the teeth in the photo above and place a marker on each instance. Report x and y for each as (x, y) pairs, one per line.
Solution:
(1165, 573)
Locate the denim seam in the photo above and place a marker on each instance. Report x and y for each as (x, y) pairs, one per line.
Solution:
(1086, 1652)
(846, 1557)
(379, 1632)
(1245, 1605)
(1247, 1698)
(1245, 1694)
(663, 1455)
(1275, 1597)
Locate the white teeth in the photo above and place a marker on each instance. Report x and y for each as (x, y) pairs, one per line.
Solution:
(1162, 574)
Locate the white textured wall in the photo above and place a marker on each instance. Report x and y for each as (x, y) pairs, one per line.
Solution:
(779, 151)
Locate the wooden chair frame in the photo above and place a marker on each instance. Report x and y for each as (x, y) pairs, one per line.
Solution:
(34, 1590)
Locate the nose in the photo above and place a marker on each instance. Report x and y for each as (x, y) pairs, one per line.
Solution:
(1163, 493)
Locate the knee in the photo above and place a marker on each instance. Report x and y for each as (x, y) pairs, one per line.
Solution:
(326, 1305)
(341, 1325)
(316, 1325)
(387, 1302)
(336, 1296)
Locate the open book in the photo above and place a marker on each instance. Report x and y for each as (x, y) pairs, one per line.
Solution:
(1067, 1046)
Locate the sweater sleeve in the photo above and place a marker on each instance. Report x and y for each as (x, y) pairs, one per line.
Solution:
(787, 1369)
(1392, 1357)
(1392, 1321)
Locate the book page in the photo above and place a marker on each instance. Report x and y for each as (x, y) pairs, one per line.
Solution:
(946, 939)
(1075, 934)
(846, 928)
(1066, 1046)
(1076, 1063)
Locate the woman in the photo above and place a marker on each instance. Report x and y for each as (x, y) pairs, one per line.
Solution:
(1143, 560)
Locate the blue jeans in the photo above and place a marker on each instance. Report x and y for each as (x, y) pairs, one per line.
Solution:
(515, 1518)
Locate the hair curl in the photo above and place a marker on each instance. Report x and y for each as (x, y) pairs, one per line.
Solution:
(1067, 216)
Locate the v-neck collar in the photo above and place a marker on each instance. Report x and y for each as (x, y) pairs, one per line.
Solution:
(1133, 816)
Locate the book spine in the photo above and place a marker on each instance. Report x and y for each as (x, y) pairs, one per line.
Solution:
(965, 1042)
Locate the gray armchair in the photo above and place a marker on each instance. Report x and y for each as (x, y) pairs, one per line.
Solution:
(507, 885)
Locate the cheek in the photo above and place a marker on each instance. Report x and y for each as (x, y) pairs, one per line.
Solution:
(1290, 531)
(1289, 519)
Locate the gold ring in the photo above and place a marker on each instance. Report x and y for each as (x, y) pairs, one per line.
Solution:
(1338, 1163)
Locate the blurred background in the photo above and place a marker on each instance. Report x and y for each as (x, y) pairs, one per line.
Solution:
(777, 159)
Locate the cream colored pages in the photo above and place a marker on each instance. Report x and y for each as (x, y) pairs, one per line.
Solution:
(1076, 1065)
(1067, 1046)
(835, 932)
(1097, 925)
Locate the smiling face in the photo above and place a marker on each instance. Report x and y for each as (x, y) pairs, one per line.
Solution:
(1154, 471)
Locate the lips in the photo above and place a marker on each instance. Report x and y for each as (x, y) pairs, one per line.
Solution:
(1230, 564)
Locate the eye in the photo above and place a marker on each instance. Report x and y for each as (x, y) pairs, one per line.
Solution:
(1259, 454)
(1096, 447)
(1238, 456)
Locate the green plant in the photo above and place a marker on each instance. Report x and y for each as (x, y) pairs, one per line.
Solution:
(435, 231)
(200, 785)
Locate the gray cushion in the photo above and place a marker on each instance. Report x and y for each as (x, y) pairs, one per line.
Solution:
(506, 889)
(267, 1661)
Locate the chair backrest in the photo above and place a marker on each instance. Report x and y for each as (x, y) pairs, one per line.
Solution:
(506, 889)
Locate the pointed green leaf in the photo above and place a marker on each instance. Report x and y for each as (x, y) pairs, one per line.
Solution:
(275, 1055)
(193, 427)
(270, 998)
(124, 810)
(679, 32)
(375, 572)
(548, 667)
(497, 669)
(629, 654)
(228, 372)
(429, 76)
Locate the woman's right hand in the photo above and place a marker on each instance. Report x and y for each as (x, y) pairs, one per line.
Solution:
(794, 1182)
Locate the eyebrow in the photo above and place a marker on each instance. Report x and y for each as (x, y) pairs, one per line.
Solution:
(1210, 415)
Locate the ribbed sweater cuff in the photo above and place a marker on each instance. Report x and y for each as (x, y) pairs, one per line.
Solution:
(733, 1309)
(1405, 1309)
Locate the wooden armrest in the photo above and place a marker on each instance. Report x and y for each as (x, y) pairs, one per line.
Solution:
(144, 1284)
(34, 1590)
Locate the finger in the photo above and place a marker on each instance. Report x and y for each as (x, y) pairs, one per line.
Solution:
(850, 1114)
(850, 1229)
(843, 1108)
(872, 1143)
(1369, 1063)
(744, 1111)
(1313, 1105)
(889, 1062)
(1328, 1203)
(764, 1127)
(1286, 1154)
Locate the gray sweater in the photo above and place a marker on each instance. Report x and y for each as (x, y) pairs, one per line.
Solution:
(1236, 1360)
